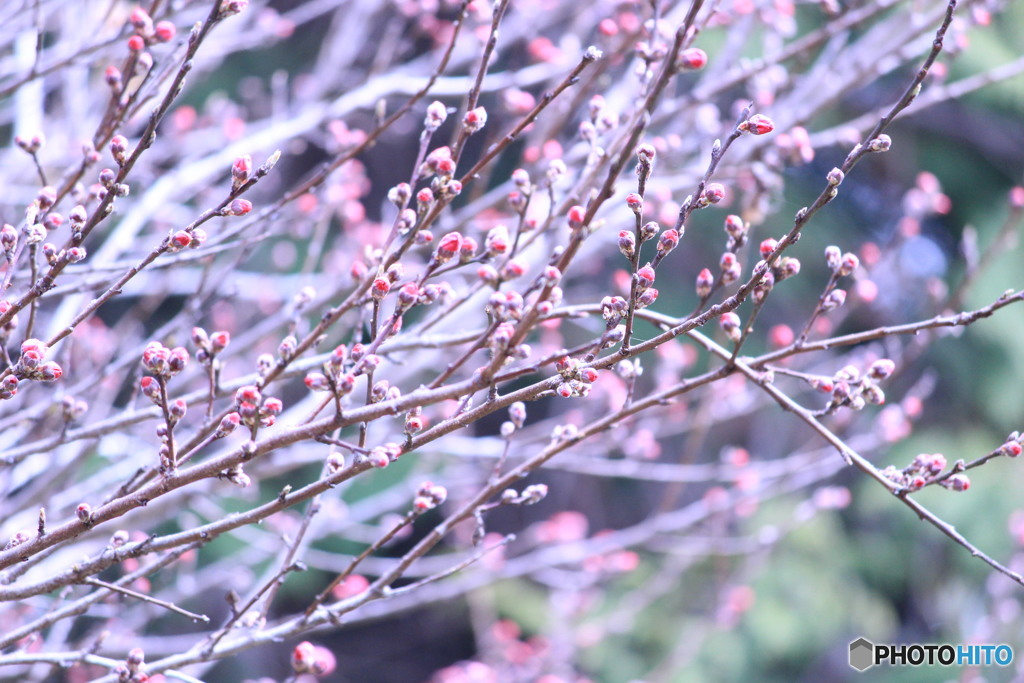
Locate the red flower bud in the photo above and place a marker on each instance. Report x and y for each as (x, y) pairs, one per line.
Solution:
(575, 217)
(447, 247)
(238, 207)
(705, 280)
(714, 192)
(758, 124)
(645, 277)
(380, 288)
(668, 241)
(241, 170)
(164, 31)
(692, 58)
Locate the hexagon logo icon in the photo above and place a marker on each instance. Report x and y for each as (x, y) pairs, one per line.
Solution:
(862, 654)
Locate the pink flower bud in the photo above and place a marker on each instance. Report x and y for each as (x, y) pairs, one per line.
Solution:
(135, 659)
(250, 393)
(576, 216)
(768, 246)
(150, 389)
(241, 170)
(8, 237)
(238, 207)
(849, 264)
(180, 240)
(177, 359)
(380, 288)
(635, 202)
(758, 124)
(959, 482)
(119, 144)
(468, 249)
(136, 44)
(881, 368)
(787, 266)
(379, 458)
(692, 59)
(346, 383)
(714, 192)
(475, 119)
(447, 247)
(446, 167)
(881, 144)
(1011, 449)
(513, 269)
(273, 406)
(112, 75)
(730, 324)
(436, 115)
(164, 31)
(497, 241)
(550, 277)
(317, 381)
(705, 280)
(227, 425)
(833, 257)
(762, 288)
(84, 512)
(668, 241)
(627, 243)
(735, 226)
(140, 19)
(49, 372)
(302, 657)
(646, 153)
(178, 408)
(835, 299)
(219, 341)
(647, 297)
(400, 194)
(645, 277)
(35, 345)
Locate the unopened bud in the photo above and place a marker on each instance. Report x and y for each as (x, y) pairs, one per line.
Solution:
(758, 124)
(880, 144)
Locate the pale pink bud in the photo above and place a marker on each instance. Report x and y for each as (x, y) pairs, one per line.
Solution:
(692, 59)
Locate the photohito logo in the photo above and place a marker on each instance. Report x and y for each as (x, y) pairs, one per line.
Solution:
(864, 654)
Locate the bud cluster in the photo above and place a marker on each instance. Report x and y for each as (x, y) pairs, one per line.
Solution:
(133, 670)
(339, 371)
(164, 362)
(849, 387)
(577, 378)
(382, 456)
(254, 409)
(429, 496)
(531, 495)
(32, 364)
(209, 345)
(926, 469)
(646, 294)
(148, 32)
